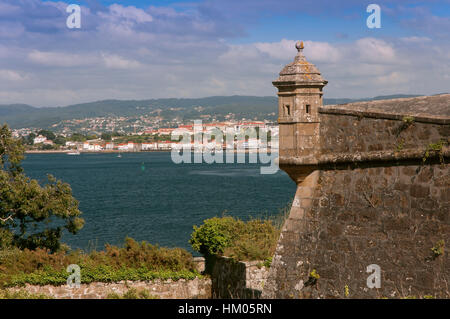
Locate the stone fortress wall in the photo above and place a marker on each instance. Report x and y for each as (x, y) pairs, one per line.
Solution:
(229, 279)
(198, 288)
(373, 188)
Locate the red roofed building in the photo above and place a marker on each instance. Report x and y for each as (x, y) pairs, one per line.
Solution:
(165, 131)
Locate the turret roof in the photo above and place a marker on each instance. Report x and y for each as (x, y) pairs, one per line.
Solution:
(300, 71)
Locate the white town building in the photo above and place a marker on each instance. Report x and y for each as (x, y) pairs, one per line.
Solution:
(39, 139)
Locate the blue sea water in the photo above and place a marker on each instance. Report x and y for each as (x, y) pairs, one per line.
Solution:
(147, 197)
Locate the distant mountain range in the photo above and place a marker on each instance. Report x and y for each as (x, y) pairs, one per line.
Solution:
(22, 115)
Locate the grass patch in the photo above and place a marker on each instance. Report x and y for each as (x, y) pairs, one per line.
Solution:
(101, 273)
(133, 294)
(21, 294)
(435, 148)
(134, 261)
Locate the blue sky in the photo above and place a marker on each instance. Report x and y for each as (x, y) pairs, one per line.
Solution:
(150, 49)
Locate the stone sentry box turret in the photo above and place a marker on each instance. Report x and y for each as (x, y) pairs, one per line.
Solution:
(300, 94)
(373, 187)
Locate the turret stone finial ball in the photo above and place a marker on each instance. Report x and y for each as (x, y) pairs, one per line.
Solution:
(299, 45)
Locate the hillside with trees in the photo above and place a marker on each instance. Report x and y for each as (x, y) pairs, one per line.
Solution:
(20, 115)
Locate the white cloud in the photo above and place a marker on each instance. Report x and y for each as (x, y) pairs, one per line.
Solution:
(414, 40)
(235, 54)
(278, 50)
(365, 67)
(11, 75)
(179, 52)
(317, 51)
(129, 13)
(61, 59)
(117, 62)
(11, 30)
(395, 78)
(165, 11)
(8, 9)
(374, 50)
(43, 97)
(323, 52)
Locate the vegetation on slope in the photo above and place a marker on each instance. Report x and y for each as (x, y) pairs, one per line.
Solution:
(134, 261)
(21, 294)
(255, 239)
(19, 115)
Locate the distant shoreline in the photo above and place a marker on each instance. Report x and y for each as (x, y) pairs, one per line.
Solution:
(89, 152)
(116, 151)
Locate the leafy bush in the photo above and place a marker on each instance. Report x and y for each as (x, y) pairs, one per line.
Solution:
(255, 239)
(214, 235)
(6, 239)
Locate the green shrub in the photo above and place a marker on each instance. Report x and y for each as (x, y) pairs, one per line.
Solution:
(438, 249)
(267, 262)
(252, 240)
(214, 235)
(6, 239)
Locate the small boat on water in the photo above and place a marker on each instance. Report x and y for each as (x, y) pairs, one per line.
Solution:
(120, 155)
(74, 153)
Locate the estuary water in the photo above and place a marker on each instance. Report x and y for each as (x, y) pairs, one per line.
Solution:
(148, 197)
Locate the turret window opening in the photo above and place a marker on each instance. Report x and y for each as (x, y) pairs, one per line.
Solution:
(287, 110)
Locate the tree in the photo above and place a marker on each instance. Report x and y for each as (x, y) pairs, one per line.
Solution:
(77, 137)
(30, 138)
(106, 136)
(32, 216)
(91, 137)
(46, 147)
(48, 134)
(60, 140)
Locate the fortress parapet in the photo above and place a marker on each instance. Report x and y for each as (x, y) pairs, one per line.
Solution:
(373, 188)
